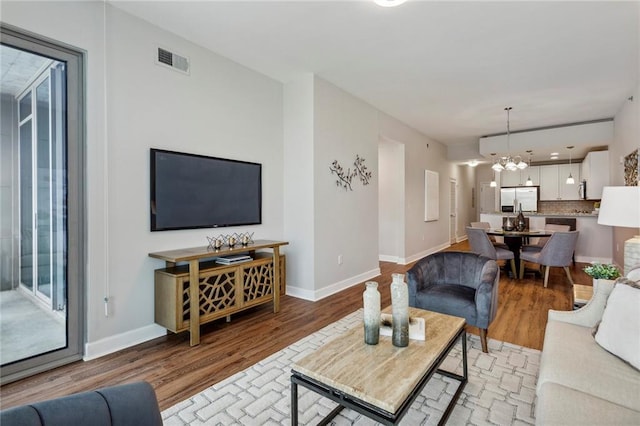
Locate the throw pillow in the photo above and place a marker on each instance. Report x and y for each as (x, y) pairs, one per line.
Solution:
(619, 330)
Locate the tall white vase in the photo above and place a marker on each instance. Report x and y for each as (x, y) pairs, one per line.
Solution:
(400, 311)
(371, 303)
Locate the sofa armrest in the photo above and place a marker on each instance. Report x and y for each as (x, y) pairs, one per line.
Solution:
(591, 313)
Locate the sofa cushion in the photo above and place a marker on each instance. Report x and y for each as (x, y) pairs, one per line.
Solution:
(572, 358)
(560, 405)
(619, 330)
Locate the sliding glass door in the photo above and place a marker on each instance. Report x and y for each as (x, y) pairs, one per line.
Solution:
(41, 210)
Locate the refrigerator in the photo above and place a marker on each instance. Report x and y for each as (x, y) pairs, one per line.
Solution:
(527, 196)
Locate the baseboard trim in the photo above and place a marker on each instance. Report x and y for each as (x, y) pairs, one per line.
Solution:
(314, 296)
(111, 344)
(388, 258)
(589, 259)
(424, 253)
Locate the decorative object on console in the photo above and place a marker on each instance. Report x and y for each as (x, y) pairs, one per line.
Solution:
(400, 311)
(620, 206)
(216, 243)
(371, 304)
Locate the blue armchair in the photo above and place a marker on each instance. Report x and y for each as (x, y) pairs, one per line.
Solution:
(463, 284)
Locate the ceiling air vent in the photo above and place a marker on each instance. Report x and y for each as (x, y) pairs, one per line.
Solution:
(172, 60)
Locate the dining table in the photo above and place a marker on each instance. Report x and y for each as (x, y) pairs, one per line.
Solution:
(514, 240)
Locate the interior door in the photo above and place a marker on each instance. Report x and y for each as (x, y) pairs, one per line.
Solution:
(487, 198)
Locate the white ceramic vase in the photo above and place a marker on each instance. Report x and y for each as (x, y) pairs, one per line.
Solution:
(400, 311)
(371, 303)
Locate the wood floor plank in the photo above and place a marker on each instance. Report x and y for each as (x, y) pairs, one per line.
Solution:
(177, 371)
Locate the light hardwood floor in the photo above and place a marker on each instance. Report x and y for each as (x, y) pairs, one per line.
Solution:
(178, 371)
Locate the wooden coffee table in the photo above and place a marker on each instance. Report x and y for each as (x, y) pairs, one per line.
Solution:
(380, 381)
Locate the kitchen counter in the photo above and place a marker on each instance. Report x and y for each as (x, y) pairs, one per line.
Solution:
(595, 242)
(528, 214)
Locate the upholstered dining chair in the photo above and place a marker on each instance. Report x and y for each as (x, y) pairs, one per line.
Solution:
(481, 244)
(457, 283)
(557, 252)
(485, 226)
(543, 240)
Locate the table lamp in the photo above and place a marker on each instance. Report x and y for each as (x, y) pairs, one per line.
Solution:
(620, 206)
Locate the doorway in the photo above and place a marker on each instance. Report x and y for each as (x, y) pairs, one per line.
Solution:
(41, 204)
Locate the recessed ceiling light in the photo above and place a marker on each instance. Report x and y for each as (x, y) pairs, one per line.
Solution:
(554, 153)
(554, 157)
(389, 3)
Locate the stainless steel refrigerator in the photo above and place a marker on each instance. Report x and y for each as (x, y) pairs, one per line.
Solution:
(526, 196)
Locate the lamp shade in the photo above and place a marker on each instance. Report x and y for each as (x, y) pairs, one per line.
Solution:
(620, 206)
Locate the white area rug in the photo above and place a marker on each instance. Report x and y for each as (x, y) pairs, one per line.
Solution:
(500, 390)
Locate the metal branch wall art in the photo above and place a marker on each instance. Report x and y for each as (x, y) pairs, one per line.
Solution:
(345, 178)
(363, 172)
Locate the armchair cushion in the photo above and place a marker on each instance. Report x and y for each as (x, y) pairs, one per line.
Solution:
(463, 284)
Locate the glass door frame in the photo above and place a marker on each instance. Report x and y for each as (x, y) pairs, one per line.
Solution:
(75, 201)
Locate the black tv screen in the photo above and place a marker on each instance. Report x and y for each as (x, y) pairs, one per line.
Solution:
(195, 191)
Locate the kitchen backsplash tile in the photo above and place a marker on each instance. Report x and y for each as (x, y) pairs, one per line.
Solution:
(578, 206)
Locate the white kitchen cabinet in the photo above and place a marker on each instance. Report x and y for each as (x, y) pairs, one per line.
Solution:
(595, 170)
(553, 184)
(519, 177)
(510, 178)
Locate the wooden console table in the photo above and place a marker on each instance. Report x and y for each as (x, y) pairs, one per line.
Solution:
(227, 288)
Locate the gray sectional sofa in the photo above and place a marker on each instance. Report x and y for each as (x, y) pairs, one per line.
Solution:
(133, 404)
(580, 383)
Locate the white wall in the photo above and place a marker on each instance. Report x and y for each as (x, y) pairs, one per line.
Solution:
(220, 109)
(346, 222)
(626, 139)
(299, 207)
(226, 110)
(420, 153)
(391, 200)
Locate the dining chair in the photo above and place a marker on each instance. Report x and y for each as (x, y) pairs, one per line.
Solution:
(485, 226)
(481, 244)
(557, 252)
(543, 240)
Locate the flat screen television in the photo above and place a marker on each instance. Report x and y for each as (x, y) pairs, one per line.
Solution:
(195, 191)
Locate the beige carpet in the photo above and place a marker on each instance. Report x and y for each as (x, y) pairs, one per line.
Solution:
(500, 390)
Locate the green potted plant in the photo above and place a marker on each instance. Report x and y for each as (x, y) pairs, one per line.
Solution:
(599, 271)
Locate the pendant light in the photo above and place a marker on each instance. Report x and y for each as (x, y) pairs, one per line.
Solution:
(570, 180)
(509, 163)
(529, 182)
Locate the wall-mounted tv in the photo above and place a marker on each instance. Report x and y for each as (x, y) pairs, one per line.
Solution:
(195, 191)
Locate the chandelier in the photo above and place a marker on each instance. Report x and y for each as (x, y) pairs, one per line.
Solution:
(509, 163)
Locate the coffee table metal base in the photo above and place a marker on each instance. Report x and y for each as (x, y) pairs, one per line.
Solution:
(371, 411)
